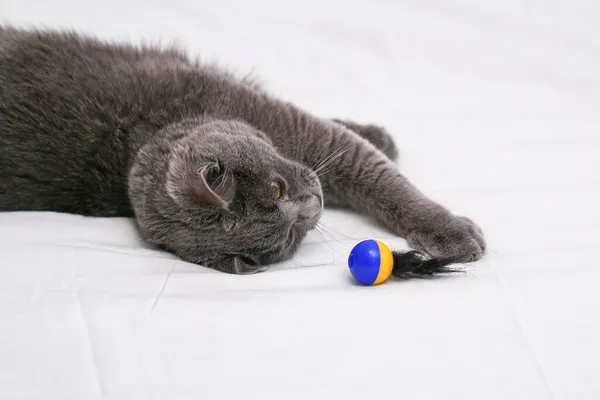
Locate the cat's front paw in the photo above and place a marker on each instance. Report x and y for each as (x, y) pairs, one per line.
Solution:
(458, 238)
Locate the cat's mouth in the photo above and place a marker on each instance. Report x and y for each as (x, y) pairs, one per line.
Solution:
(309, 217)
(307, 223)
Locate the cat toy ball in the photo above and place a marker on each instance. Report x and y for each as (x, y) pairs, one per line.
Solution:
(372, 262)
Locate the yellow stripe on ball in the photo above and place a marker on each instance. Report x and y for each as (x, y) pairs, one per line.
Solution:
(386, 263)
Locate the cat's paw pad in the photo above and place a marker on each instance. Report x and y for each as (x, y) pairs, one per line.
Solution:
(459, 237)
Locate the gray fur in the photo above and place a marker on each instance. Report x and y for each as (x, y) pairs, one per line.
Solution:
(103, 129)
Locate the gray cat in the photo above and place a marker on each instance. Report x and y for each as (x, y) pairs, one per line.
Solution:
(212, 167)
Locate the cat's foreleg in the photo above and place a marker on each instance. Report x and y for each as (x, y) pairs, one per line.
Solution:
(356, 170)
(363, 178)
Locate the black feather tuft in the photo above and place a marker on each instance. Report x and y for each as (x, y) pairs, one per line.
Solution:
(415, 263)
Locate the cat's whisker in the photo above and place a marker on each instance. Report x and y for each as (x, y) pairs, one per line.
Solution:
(326, 157)
(323, 151)
(321, 235)
(331, 234)
(312, 173)
(340, 128)
(333, 231)
(319, 158)
(321, 174)
(354, 109)
(296, 263)
(326, 170)
(321, 162)
(333, 157)
(328, 234)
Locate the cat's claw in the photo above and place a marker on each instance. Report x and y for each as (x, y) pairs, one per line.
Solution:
(459, 237)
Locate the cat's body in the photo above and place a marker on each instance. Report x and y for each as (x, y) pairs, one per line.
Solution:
(213, 168)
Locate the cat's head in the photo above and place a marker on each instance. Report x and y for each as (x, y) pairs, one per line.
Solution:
(219, 194)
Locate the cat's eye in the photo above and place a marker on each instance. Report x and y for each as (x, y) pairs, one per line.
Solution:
(277, 189)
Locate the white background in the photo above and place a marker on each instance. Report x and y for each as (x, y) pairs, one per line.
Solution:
(495, 106)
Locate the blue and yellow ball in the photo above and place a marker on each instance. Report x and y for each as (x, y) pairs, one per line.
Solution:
(371, 262)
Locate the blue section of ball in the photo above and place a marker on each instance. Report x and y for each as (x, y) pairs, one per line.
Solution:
(364, 262)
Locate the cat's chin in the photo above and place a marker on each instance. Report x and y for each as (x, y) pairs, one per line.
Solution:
(296, 235)
(308, 223)
(305, 225)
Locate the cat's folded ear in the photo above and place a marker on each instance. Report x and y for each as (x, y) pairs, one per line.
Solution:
(214, 186)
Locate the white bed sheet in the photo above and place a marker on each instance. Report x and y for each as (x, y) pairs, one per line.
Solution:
(495, 106)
